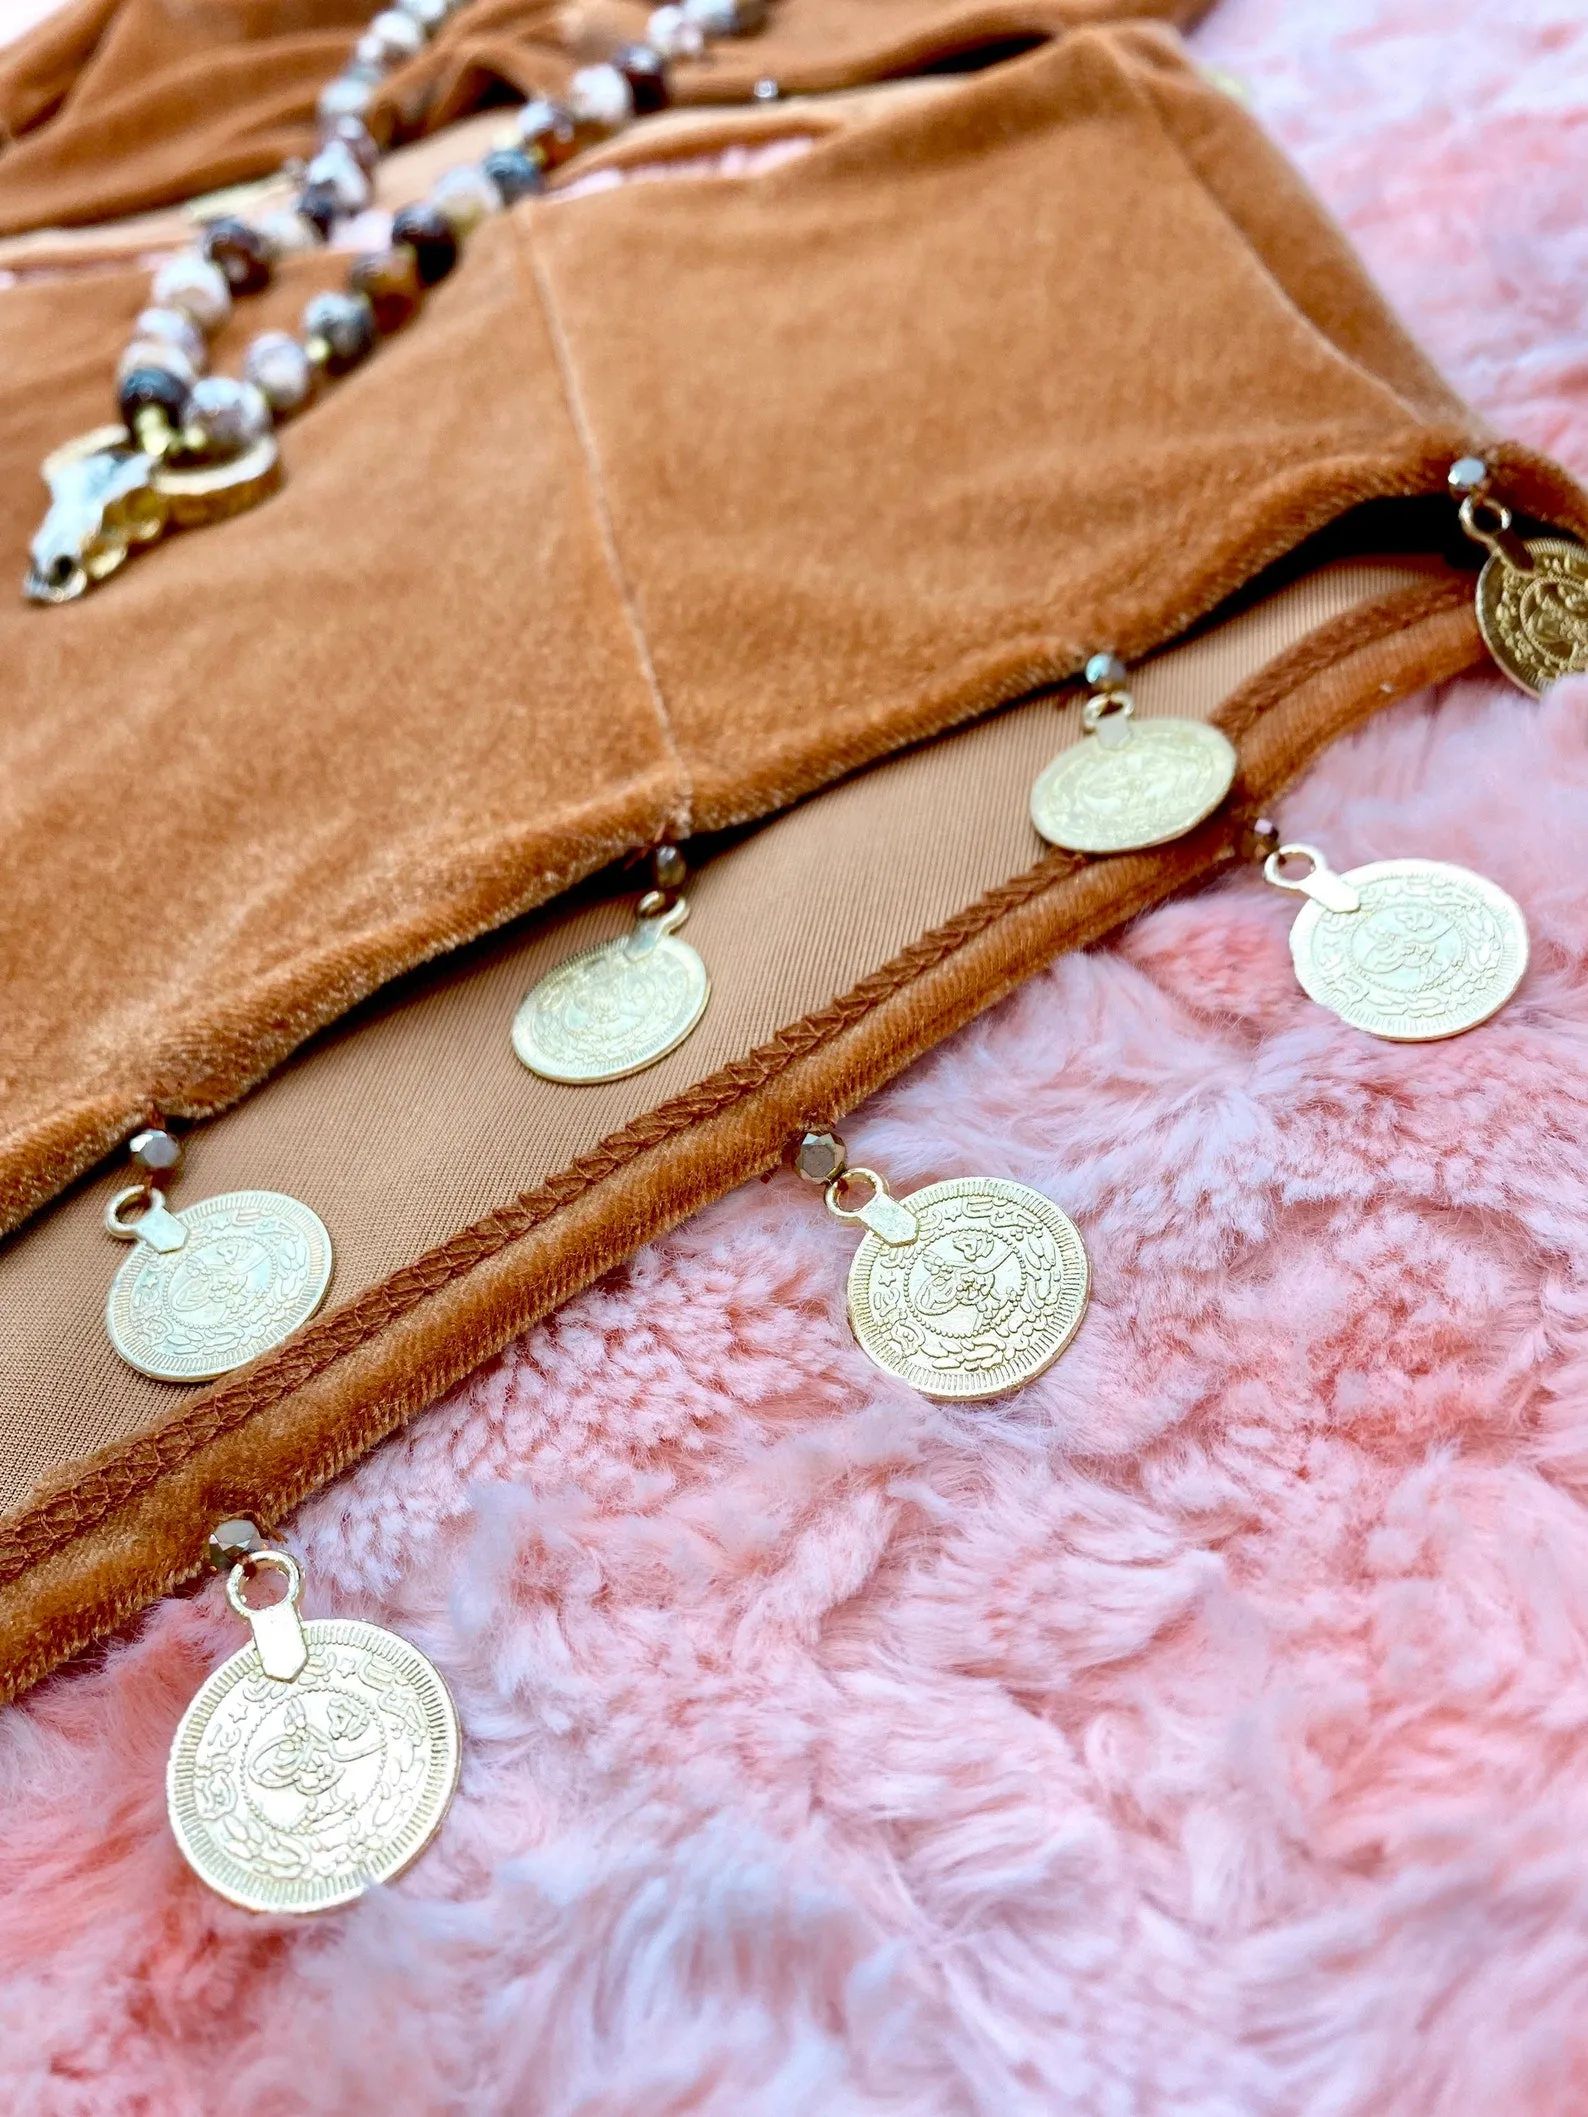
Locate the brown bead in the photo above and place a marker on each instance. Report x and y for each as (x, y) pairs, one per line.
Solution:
(240, 251)
(643, 68)
(429, 235)
(389, 281)
(548, 132)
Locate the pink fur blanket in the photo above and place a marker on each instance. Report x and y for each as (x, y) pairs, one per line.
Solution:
(1204, 1730)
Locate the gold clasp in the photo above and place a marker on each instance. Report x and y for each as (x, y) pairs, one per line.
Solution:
(102, 502)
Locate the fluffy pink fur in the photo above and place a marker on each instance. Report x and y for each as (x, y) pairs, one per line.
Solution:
(1202, 1730)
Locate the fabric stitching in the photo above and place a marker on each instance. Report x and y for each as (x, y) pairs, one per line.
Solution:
(580, 421)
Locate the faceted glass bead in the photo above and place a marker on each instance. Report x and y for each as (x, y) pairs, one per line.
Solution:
(154, 1149)
(224, 416)
(320, 206)
(191, 283)
(547, 129)
(157, 353)
(279, 367)
(337, 165)
(392, 37)
(348, 96)
(146, 388)
(232, 1543)
(389, 281)
(1106, 672)
(357, 138)
(600, 98)
(345, 323)
(465, 196)
(670, 32)
(428, 233)
(241, 253)
(515, 174)
(821, 1157)
(176, 328)
(642, 68)
(287, 232)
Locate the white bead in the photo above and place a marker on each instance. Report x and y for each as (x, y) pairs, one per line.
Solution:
(465, 196)
(191, 283)
(670, 32)
(337, 165)
(224, 415)
(287, 232)
(392, 37)
(599, 96)
(156, 353)
(540, 119)
(279, 369)
(429, 14)
(713, 18)
(348, 96)
(177, 328)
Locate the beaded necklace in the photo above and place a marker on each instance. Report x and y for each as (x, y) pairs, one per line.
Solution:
(193, 447)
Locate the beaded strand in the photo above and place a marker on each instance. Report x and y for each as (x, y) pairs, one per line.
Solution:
(166, 397)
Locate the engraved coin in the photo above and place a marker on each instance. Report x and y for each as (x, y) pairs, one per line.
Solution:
(1434, 950)
(297, 1796)
(1155, 786)
(607, 1012)
(987, 1296)
(1536, 624)
(254, 1267)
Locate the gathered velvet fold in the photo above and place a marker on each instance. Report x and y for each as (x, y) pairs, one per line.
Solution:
(116, 106)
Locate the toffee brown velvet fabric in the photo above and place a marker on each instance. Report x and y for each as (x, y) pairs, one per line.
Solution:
(111, 1533)
(682, 500)
(115, 106)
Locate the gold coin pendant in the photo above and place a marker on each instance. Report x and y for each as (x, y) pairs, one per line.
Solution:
(608, 1012)
(1433, 951)
(1536, 624)
(1161, 782)
(296, 1797)
(253, 1268)
(987, 1296)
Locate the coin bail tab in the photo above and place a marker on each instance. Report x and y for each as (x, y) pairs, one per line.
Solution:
(156, 1225)
(1320, 882)
(277, 1628)
(881, 1212)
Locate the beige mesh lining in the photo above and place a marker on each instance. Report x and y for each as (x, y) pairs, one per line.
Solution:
(413, 1119)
